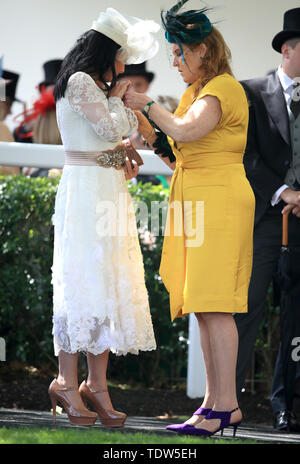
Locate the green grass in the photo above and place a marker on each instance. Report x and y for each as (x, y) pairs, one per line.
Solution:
(30, 435)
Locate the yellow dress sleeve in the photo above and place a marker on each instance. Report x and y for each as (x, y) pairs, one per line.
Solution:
(231, 96)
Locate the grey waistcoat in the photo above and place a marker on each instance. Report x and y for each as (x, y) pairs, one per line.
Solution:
(293, 174)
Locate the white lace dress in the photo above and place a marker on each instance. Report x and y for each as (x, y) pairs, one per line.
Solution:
(99, 295)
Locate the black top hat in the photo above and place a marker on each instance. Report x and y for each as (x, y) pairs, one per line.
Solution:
(11, 85)
(291, 29)
(51, 69)
(137, 70)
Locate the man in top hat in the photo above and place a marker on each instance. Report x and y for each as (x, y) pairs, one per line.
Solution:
(272, 163)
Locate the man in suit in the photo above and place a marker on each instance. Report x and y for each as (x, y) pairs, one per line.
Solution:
(272, 164)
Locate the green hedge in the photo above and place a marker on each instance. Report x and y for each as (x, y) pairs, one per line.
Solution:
(26, 244)
(26, 251)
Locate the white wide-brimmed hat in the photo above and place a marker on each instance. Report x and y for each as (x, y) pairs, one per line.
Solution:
(133, 34)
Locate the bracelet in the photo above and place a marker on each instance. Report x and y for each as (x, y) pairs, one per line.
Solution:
(147, 106)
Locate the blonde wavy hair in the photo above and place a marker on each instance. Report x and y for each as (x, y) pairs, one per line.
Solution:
(45, 129)
(217, 58)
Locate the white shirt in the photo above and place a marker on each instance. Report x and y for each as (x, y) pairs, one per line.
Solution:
(287, 85)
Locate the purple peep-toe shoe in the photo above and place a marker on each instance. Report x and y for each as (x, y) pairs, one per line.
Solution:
(200, 412)
(224, 416)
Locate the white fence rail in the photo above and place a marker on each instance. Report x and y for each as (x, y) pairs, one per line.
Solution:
(52, 156)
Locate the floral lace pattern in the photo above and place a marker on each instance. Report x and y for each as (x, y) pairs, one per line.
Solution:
(90, 102)
(100, 299)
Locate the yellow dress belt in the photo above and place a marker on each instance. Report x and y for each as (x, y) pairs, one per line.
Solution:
(197, 162)
(205, 160)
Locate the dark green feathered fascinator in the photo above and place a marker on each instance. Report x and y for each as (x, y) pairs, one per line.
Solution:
(175, 25)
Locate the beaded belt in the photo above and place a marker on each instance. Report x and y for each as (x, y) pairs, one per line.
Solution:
(106, 159)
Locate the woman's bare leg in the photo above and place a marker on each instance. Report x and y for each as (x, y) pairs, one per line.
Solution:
(223, 338)
(210, 393)
(68, 377)
(96, 380)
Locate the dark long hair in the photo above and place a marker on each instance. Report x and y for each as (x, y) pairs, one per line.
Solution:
(93, 53)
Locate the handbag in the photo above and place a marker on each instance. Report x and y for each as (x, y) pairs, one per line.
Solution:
(131, 152)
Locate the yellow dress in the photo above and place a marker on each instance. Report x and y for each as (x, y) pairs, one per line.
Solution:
(207, 253)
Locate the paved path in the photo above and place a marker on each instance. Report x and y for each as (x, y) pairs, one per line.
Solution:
(19, 418)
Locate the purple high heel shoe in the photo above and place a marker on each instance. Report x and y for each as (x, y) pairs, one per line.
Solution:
(200, 412)
(224, 416)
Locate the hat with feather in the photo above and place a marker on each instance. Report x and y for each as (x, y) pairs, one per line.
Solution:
(135, 35)
(177, 25)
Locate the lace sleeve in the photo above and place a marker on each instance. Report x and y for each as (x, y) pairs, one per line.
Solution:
(133, 121)
(114, 104)
(108, 118)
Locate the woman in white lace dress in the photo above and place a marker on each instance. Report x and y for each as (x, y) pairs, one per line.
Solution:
(99, 294)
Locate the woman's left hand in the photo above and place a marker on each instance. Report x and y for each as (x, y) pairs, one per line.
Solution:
(131, 169)
(135, 100)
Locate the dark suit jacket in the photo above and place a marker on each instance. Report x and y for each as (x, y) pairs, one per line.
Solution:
(268, 153)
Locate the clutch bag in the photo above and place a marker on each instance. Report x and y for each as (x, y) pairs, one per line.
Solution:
(131, 152)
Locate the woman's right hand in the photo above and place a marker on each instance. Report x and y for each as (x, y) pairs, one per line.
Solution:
(131, 169)
(119, 89)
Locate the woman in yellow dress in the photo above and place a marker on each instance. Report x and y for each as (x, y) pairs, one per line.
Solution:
(207, 254)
